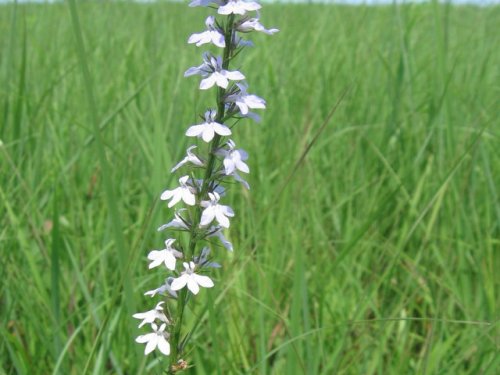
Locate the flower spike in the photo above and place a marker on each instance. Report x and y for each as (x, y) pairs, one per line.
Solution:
(211, 166)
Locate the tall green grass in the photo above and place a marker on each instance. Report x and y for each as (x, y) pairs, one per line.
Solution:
(370, 247)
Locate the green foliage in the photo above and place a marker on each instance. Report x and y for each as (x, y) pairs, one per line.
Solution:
(377, 256)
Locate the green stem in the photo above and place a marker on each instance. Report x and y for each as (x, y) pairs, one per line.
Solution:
(182, 298)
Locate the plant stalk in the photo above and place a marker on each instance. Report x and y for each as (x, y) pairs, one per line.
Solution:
(176, 354)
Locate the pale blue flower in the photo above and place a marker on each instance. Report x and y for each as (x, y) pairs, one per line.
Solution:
(214, 73)
(184, 192)
(216, 231)
(156, 339)
(165, 288)
(214, 210)
(244, 100)
(233, 159)
(252, 24)
(190, 158)
(209, 128)
(150, 316)
(167, 256)
(202, 260)
(178, 222)
(192, 280)
(238, 7)
(211, 35)
(205, 3)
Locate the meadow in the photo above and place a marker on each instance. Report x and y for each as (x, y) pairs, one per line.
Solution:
(367, 244)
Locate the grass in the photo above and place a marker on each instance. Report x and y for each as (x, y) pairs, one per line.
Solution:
(372, 252)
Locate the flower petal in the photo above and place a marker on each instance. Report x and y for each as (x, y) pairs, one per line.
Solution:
(208, 133)
(151, 345)
(228, 211)
(195, 131)
(234, 75)
(166, 195)
(188, 197)
(175, 199)
(221, 129)
(221, 80)
(203, 281)
(179, 282)
(163, 345)
(207, 216)
(170, 261)
(208, 82)
(144, 338)
(221, 219)
(193, 285)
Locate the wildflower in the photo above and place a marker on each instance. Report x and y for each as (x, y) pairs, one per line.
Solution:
(150, 316)
(212, 35)
(178, 222)
(216, 231)
(156, 339)
(253, 24)
(209, 128)
(234, 159)
(191, 279)
(240, 179)
(204, 3)
(222, 163)
(240, 42)
(214, 210)
(238, 7)
(214, 73)
(244, 101)
(183, 192)
(165, 288)
(202, 260)
(252, 115)
(219, 189)
(190, 158)
(166, 256)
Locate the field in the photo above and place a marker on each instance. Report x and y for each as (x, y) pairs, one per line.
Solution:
(367, 244)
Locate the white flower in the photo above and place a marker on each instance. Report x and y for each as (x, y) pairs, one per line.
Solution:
(202, 260)
(158, 338)
(177, 222)
(183, 192)
(238, 7)
(150, 316)
(165, 288)
(208, 129)
(190, 158)
(204, 3)
(214, 210)
(244, 101)
(254, 24)
(166, 256)
(214, 73)
(251, 115)
(212, 35)
(191, 279)
(216, 231)
(234, 159)
(204, 69)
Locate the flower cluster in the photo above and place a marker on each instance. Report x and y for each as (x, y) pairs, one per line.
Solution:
(203, 217)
